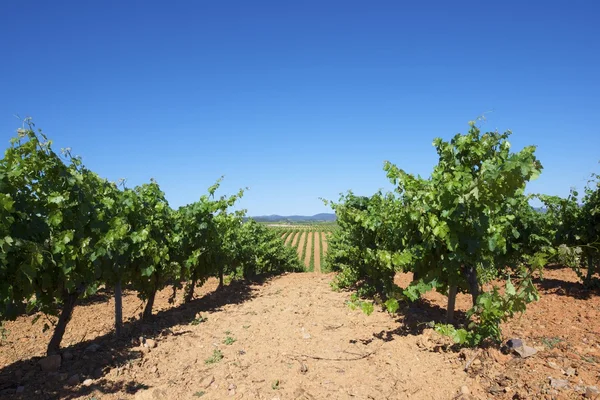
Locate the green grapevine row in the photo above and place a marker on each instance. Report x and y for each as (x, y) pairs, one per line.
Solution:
(64, 231)
(467, 224)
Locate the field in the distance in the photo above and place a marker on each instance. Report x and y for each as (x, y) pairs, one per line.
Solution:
(310, 242)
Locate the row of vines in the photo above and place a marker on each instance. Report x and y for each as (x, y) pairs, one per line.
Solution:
(65, 232)
(309, 243)
(468, 226)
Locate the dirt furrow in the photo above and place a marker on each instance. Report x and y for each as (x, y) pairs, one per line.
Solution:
(300, 244)
(308, 249)
(295, 238)
(317, 252)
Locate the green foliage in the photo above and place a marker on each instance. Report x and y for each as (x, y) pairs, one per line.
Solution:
(64, 231)
(216, 356)
(574, 229)
(491, 309)
(229, 340)
(466, 224)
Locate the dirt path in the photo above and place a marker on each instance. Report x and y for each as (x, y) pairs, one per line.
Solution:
(295, 339)
(295, 237)
(317, 252)
(308, 249)
(300, 244)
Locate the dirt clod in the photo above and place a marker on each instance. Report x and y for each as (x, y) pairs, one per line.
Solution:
(50, 363)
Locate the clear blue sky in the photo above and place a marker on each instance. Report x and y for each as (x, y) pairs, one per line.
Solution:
(300, 99)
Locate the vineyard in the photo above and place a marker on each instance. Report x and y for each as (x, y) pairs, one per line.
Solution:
(108, 292)
(310, 243)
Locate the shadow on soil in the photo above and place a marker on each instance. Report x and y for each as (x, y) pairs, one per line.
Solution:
(565, 288)
(417, 317)
(94, 358)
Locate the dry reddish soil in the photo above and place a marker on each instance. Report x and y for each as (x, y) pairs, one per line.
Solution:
(292, 337)
(308, 249)
(288, 240)
(295, 239)
(317, 252)
(300, 244)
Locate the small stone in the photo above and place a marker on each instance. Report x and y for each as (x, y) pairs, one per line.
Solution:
(232, 386)
(476, 361)
(465, 390)
(591, 392)
(570, 371)
(160, 393)
(303, 368)
(67, 355)
(207, 381)
(525, 351)
(559, 383)
(553, 365)
(513, 343)
(306, 336)
(98, 372)
(73, 380)
(50, 363)
(154, 369)
(20, 389)
(150, 343)
(88, 382)
(232, 392)
(92, 348)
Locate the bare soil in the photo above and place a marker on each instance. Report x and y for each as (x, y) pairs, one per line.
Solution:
(308, 249)
(292, 337)
(300, 244)
(317, 252)
(296, 238)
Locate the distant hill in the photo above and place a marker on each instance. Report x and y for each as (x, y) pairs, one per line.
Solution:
(296, 218)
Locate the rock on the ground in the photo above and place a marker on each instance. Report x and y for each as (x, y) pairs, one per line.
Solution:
(465, 390)
(88, 382)
(207, 381)
(50, 363)
(150, 343)
(519, 347)
(592, 392)
(73, 380)
(92, 348)
(553, 365)
(559, 383)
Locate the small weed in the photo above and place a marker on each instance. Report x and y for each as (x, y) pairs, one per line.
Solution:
(275, 385)
(551, 342)
(198, 320)
(228, 332)
(589, 359)
(355, 302)
(229, 340)
(199, 393)
(217, 356)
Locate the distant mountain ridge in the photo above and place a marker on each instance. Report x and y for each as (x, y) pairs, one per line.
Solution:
(295, 218)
